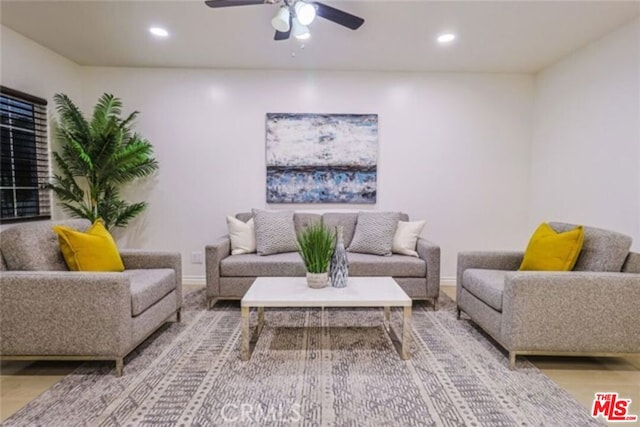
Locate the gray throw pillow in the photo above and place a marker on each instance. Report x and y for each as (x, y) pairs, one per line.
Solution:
(374, 233)
(275, 232)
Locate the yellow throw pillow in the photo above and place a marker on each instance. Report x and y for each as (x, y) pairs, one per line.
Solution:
(549, 250)
(94, 250)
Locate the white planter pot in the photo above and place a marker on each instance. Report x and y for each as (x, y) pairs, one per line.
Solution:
(317, 280)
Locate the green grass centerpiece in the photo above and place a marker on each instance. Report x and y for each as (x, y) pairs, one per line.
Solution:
(316, 244)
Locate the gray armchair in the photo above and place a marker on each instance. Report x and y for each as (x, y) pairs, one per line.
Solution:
(50, 313)
(592, 310)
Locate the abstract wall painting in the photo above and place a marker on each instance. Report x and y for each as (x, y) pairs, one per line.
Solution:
(321, 158)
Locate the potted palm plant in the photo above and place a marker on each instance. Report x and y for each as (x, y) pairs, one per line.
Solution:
(97, 158)
(316, 245)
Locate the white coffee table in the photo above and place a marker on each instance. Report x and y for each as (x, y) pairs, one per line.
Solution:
(294, 292)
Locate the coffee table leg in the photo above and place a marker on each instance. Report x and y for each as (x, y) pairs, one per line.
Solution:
(387, 317)
(260, 322)
(406, 331)
(244, 350)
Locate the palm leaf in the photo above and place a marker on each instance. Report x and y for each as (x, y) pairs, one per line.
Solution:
(108, 106)
(106, 154)
(71, 118)
(129, 212)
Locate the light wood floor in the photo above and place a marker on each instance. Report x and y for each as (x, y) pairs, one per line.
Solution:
(21, 382)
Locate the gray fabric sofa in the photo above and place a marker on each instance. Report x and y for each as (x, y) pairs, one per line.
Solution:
(230, 276)
(51, 313)
(592, 310)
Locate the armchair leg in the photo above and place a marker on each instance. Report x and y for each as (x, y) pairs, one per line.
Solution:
(119, 366)
(179, 315)
(512, 360)
(435, 304)
(212, 302)
(459, 311)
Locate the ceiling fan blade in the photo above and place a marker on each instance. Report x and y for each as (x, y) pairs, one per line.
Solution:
(338, 16)
(229, 3)
(284, 35)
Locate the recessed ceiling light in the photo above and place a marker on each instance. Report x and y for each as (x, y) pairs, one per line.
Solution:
(446, 38)
(159, 32)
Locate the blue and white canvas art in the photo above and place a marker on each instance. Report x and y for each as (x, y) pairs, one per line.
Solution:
(322, 158)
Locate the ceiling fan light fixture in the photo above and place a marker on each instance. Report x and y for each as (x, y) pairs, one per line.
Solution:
(305, 12)
(299, 31)
(281, 21)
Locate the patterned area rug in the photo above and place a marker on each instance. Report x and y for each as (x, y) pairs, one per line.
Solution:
(303, 374)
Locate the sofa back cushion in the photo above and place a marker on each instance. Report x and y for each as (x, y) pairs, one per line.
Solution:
(35, 247)
(244, 216)
(301, 220)
(602, 250)
(632, 264)
(347, 220)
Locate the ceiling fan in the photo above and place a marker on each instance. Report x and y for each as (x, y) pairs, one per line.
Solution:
(294, 16)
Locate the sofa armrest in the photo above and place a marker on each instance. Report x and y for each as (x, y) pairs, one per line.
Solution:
(65, 313)
(213, 254)
(430, 253)
(490, 260)
(571, 311)
(143, 259)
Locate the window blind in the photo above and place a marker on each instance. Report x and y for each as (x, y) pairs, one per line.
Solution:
(24, 157)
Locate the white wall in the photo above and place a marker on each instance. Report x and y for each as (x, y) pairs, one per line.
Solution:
(31, 68)
(453, 148)
(586, 145)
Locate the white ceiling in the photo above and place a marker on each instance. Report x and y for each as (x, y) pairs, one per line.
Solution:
(495, 36)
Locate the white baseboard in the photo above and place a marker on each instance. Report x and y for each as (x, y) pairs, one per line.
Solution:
(194, 280)
(448, 281)
(201, 280)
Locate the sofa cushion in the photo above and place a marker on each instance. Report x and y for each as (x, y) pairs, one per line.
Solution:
(602, 250)
(34, 246)
(486, 285)
(301, 220)
(345, 219)
(244, 216)
(374, 233)
(149, 286)
(253, 265)
(394, 265)
(632, 264)
(275, 232)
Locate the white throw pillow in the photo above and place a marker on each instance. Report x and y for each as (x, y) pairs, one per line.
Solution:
(242, 235)
(406, 237)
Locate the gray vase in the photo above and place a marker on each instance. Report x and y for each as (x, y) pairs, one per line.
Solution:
(339, 270)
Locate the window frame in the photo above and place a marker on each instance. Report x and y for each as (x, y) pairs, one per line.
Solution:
(39, 167)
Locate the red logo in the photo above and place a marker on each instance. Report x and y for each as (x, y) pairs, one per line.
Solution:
(612, 408)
